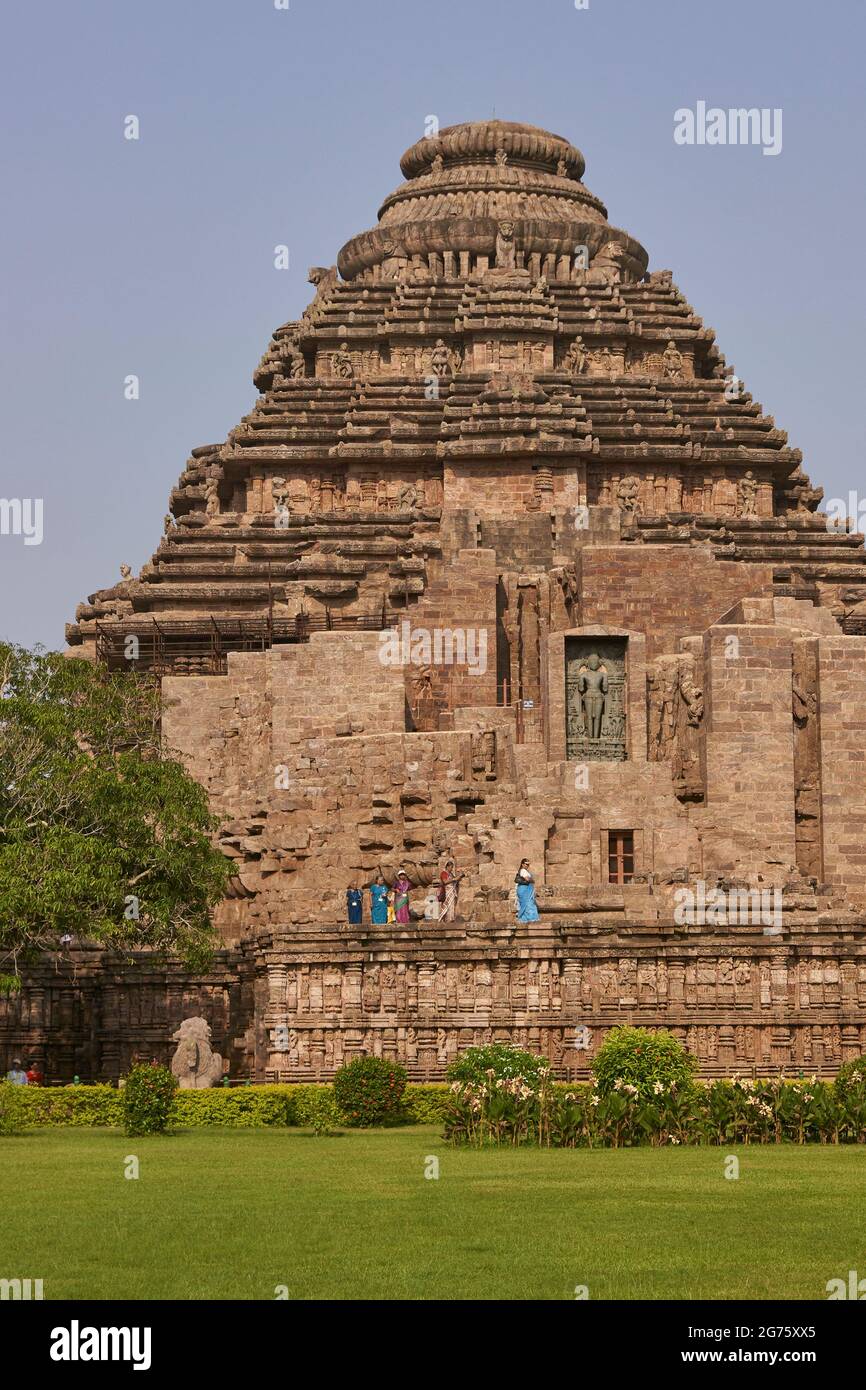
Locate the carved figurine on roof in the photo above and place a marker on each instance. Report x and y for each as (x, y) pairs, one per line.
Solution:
(324, 278)
(608, 266)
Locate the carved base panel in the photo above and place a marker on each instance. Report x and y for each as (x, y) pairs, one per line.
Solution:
(298, 1007)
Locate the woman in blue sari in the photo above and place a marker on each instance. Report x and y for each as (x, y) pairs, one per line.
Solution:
(379, 902)
(527, 908)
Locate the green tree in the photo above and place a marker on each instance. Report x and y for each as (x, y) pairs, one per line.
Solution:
(103, 836)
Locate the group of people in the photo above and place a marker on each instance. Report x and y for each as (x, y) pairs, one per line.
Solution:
(390, 903)
(19, 1077)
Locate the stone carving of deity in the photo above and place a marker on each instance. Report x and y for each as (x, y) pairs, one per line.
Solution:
(440, 360)
(575, 359)
(343, 363)
(672, 361)
(747, 490)
(407, 498)
(501, 158)
(627, 495)
(506, 250)
(593, 687)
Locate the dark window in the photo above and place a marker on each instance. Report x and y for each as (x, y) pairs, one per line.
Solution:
(620, 856)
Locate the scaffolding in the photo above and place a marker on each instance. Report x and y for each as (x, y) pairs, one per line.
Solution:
(190, 646)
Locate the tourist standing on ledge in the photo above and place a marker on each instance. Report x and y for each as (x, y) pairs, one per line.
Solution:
(379, 901)
(401, 896)
(35, 1077)
(449, 887)
(354, 906)
(16, 1073)
(527, 908)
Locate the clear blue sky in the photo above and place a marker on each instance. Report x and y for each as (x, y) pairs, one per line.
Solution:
(261, 126)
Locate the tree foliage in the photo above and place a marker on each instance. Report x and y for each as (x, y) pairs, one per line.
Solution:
(103, 838)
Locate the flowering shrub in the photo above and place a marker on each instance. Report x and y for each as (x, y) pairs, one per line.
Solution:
(730, 1111)
(369, 1091)
(851, 1077)
(500, 1062)
(147, 1099)
(642, 1063)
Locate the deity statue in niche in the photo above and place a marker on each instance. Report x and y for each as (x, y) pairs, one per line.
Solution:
(593, 686)
(342, 361)
(575, 359)
(628, 496)
(407, 497)
(672, 361)
(595, 706)
(748, 494)
(506, 250)
(440, 359)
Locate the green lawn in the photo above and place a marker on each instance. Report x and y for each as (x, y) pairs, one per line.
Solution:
(235, 1213)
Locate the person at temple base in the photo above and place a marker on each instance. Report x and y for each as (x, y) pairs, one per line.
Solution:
(354, 906)
(16, 1073)
(527, 908)
(401, 896)
(379, 901)
(35, 1075)
(449, 887)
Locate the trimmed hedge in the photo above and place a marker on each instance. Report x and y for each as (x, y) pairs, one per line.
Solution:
(237, 1107)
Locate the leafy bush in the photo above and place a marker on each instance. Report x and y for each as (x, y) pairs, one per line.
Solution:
(643, 1064)
(12, 1109)
(499, 1062)
(369, 1090)
(148, 1098)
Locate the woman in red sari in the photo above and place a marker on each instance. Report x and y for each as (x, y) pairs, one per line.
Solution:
(401, 896)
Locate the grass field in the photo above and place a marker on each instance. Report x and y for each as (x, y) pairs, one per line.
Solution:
(236, 1213)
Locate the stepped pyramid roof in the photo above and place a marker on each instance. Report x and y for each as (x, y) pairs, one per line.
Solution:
(492, 315)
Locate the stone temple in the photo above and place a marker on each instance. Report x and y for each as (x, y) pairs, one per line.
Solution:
(505, 562)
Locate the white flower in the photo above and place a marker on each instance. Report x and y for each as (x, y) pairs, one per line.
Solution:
(594, 1100)
(617, 1085)
(658, 1088)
